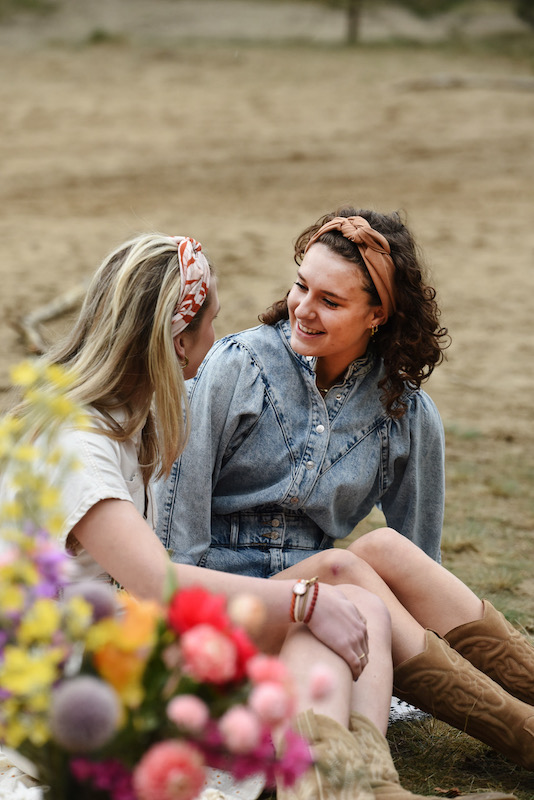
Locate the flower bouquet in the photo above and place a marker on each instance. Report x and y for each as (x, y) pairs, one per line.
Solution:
(110, 697)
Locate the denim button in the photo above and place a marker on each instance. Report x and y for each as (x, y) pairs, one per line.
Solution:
(275, 523)
(338, 396)
(294, 500)
(309, 465)
(320, 429)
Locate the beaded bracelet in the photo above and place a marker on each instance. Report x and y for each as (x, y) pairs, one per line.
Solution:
(300, 590)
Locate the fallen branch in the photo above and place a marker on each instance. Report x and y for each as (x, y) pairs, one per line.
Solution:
(28, 326)
(520, 83)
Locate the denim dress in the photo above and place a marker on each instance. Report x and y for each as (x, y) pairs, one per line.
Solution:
(273, 471)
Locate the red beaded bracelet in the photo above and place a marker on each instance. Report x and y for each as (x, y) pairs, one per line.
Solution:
(308, 616)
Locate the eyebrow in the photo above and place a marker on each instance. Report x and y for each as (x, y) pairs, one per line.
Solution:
(323, 291)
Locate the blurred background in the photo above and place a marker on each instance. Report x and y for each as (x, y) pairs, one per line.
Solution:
(240, 122)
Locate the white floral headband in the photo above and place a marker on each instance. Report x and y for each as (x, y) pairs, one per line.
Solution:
(195, 281)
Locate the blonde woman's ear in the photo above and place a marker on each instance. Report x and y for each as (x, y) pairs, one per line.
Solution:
(179, 347)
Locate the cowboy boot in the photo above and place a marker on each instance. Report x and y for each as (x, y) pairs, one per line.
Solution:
(443, 683)
(495, 647)
(382, 775)
(338, 772)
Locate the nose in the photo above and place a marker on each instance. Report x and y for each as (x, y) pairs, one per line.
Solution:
(305, 307)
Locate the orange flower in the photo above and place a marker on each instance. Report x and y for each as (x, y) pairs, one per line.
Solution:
(123, 644)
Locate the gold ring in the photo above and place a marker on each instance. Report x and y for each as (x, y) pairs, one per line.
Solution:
(363, 655)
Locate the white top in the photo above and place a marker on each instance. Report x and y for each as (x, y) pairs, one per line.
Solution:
(105, 469)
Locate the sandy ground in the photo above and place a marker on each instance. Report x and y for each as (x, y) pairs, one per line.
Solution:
(242, 143)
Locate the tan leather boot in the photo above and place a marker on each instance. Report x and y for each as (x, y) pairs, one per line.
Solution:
(443, 683)
(495, 647)
(382, 775)
(339, 772)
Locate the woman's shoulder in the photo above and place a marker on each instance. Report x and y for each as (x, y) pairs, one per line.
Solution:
(421, 407)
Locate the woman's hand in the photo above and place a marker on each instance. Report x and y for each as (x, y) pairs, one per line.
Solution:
(337, 623)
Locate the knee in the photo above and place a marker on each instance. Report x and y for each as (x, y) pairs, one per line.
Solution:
(337, 565)
(371, 607)
(376, 546)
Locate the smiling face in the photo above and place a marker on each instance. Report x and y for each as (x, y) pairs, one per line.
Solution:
(329, 311)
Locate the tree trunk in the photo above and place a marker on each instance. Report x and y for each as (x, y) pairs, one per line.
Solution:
(354, 11)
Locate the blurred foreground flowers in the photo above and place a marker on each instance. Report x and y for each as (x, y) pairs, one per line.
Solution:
(107, 696)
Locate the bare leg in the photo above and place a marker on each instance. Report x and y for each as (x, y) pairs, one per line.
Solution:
(370, 695)
(435, 597)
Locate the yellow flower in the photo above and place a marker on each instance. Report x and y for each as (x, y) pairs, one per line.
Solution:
(39, 733)
(22, 674)
(49, 498)
(40, 622)
(24, 374)
(14, 732)
(58, 376)
(77, 617)
(26, 453)
(11, 598)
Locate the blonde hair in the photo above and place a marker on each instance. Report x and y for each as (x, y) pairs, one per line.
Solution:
(121, 350)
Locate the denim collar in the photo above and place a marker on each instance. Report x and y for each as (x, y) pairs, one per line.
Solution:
(359, 367)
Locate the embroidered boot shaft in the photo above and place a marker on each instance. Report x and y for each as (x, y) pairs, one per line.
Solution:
(495, 647)
(443, 683)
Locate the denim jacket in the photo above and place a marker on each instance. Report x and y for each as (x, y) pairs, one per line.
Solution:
(273, 471)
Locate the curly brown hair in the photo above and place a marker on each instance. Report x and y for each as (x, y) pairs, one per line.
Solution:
(411, 342)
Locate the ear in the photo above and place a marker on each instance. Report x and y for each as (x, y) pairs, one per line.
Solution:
(179, 347)
(379, 316)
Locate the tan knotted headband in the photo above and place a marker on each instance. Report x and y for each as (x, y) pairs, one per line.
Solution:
(375, 251)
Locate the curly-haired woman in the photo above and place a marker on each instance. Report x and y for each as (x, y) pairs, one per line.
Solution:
(304, 423)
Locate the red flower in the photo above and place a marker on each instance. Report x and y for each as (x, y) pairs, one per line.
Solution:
(196, 606)
(245, 650)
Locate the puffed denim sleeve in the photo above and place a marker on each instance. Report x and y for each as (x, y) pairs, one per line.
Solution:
(225, 399)
(414, 500)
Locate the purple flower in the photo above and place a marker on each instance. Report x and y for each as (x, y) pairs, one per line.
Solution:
(100, 596)
(84, 715)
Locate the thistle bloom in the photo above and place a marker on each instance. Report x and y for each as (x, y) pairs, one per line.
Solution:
(85, 714)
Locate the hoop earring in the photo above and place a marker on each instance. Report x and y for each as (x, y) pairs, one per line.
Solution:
(374, 330)
(184, 363)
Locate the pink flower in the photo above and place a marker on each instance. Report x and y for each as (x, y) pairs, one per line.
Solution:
(266, 668)
(170, 770)
(196, 606)
(296, 759)
(240, 729)
(209, 655)
(322, 681)
(271, 702)
(188, 712)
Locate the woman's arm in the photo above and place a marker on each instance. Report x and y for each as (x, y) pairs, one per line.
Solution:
(120, 540)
